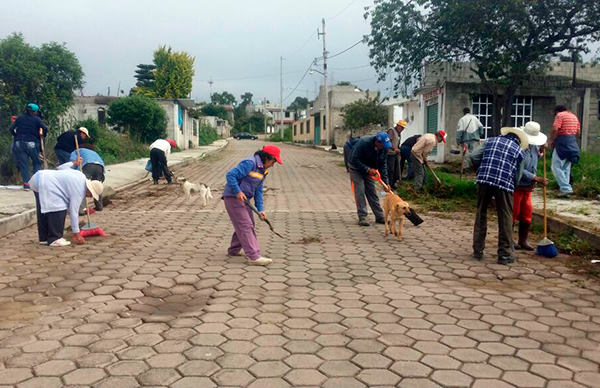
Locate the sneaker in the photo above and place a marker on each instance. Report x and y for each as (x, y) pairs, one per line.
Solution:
(43, 242)
(26, 187)
(478, 255)
(380, 221)
(61, 242)
(363, 222)
(564, 195)
(260, 261)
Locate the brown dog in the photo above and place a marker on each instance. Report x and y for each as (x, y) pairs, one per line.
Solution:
(395, 205)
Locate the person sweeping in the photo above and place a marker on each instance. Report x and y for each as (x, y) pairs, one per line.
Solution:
(246, 182)
(57, 191)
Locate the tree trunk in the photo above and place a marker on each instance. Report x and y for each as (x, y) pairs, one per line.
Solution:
(503, 100)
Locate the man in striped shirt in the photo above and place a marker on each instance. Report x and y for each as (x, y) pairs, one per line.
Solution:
(563, 139)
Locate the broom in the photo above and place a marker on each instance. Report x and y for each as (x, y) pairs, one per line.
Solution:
(546, 247)
(43, 149)
(89, 229)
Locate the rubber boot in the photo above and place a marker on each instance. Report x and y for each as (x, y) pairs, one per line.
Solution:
(523, 234)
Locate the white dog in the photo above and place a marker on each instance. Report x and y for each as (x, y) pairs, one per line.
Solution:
(191, 188)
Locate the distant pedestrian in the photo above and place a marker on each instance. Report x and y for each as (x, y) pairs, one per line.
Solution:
(420, 153)
(55, 193)
(499, 166)
(65, 144)
(92, 167)
(159, 152)
(523, 208)
(563, 138)
(369, 155)
(393, 156)
(405, 152)
(245, 182)
(468, 133)
(28, 130)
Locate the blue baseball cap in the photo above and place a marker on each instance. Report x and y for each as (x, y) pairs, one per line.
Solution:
(384, 139)
(33, 107)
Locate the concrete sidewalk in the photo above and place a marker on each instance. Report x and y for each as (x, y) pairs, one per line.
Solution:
(17, 207)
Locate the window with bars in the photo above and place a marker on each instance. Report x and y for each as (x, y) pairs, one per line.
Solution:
(521, 112)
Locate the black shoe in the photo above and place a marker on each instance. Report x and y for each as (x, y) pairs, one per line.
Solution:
(380, 221)
(363, 222)
(505, 260)
(478, 255)
(155, 182)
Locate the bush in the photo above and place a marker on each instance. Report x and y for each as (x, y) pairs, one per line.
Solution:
(287, 136)
(114, 147)
(207, 135)
(586, 175)
(8, 170)
(141, 116)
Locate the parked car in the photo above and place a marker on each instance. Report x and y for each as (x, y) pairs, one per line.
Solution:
(245, 135)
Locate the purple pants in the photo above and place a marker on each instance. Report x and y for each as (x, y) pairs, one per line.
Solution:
(244, 236)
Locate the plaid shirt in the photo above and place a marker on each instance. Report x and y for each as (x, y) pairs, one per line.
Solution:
(567, 124)
(500, 162)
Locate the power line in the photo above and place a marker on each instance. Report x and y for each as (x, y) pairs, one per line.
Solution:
(303, 45)
(299, 82)
(342, 11)
(251, 77)
(348, 49)
(349, 68)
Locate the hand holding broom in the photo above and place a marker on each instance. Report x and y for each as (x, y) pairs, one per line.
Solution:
(89, 229)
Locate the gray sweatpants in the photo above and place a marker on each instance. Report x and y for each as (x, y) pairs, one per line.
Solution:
(364, 186)
(420, 175)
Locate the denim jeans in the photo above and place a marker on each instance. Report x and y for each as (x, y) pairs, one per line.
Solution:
(22, 152)
(63, 156)
(562, 172)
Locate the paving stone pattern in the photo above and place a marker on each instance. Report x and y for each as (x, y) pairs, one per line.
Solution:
(157, 302)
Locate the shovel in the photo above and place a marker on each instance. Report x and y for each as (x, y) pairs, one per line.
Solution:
(255, 210)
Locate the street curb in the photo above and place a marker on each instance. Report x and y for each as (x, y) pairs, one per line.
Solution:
(561, 227)
(314, 147)
(23, 220)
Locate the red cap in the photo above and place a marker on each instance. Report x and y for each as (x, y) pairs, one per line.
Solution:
(273, 151)
(443, 134)
(172, 143)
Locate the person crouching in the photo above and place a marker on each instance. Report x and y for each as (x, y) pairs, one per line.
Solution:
(57, 191)
(244, 182)
(159, 151)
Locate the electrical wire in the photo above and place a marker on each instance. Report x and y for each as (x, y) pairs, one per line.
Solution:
(348, 49)
(349, 68)
(342, 11)
(303, 45)
(251, 77)
(299, 82)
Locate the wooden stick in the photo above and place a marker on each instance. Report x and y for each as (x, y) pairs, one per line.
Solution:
(87, 209)
(544, 190)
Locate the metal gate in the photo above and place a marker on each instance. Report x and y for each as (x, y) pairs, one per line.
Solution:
(432, 123)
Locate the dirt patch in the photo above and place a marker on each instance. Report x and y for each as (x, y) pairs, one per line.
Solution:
(308, 240)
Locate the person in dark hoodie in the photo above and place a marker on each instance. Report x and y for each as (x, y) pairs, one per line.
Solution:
(369, 154)
(563, 138)
(28, 130)
(65, 144)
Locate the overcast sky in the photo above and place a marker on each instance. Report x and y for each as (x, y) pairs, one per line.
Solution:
(230, 39)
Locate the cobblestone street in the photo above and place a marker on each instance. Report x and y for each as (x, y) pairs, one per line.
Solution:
(158, 303)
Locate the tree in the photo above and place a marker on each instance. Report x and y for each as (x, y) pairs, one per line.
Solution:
(170, 76)
(213, 110)
(506, 41)
(254, 123)
(363, 112)
(298, 104)
(246, 99)
(47, 75)
(224, 98)
(141, 116)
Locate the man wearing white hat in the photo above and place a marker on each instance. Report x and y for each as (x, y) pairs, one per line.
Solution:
(499, 168)
(523, 208)
(65, 144)
(57, 191)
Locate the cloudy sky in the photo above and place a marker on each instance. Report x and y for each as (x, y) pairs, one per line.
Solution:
(237, 43)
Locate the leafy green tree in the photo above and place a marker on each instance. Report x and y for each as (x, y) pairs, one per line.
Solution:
(363, 112)
(141, 116)
(224, 98)
(213, 110)
(47, 75)
(145, 80)
(254, 123)
(173, 74)
(506, 41)
(246, 99)
(298, 104)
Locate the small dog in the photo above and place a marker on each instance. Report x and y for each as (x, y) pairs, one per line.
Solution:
(395, 205)
(191, 188)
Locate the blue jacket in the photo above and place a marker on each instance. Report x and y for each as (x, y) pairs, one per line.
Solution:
(530, 163)
(365, 156)
(88, 156)
(247, 177)
(27, 128)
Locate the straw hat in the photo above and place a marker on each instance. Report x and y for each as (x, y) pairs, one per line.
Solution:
(84, 130)
(534, 133)
(524, 139)
(94, 187)
(402, 123)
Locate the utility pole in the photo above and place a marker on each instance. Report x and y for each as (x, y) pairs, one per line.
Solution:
(281, 94)
(326, 127)
(265, 115)
(210, 83)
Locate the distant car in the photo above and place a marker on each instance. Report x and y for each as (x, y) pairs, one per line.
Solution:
(245, 135)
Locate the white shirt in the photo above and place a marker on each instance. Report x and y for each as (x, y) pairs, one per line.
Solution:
(162, 145)
(60, 190)
(469, 123)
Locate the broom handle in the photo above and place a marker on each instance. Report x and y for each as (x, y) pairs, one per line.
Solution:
(544, 189)
(87, 210)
